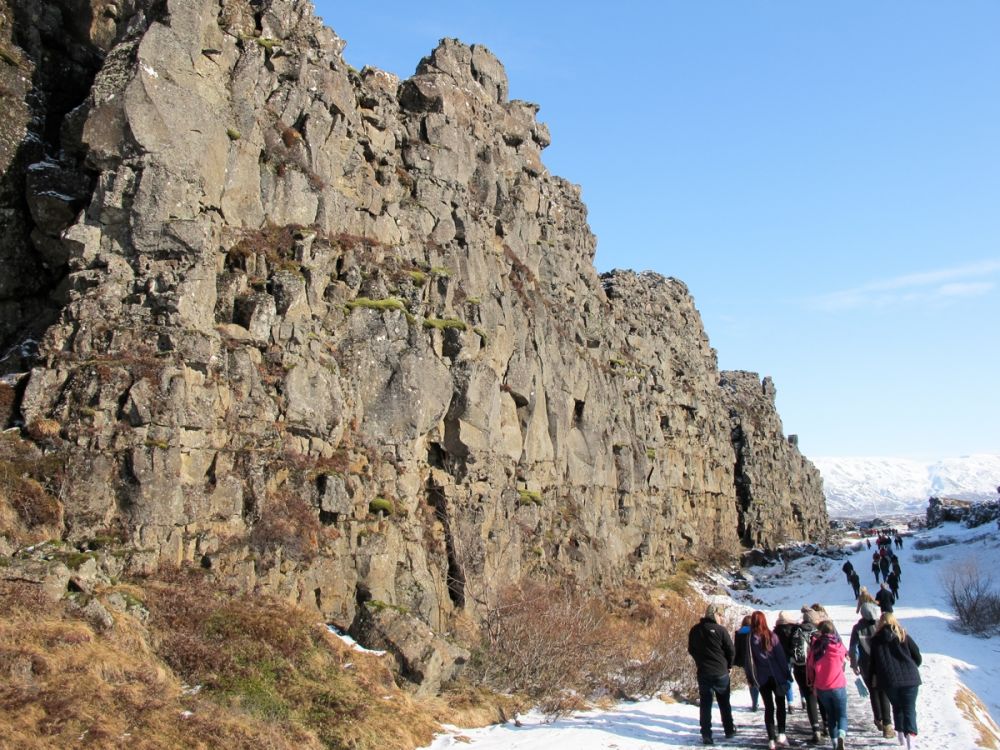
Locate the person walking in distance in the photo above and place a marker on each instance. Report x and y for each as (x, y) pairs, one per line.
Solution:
(860, 650)
(768, 668)
(741, 641)
(713, 652)
(885, 598)
(825, 670)
(896, 661)
(876, 568)
(855, 583)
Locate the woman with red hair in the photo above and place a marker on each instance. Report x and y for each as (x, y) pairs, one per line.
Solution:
(767, 668)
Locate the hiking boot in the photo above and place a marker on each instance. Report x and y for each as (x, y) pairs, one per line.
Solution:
(730, 733)
(840, 742)
(782, 739)
(887, 731)
(815, 739)
(771, 745)
(707, 741)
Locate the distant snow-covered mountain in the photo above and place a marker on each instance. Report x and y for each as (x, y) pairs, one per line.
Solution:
(863, 487)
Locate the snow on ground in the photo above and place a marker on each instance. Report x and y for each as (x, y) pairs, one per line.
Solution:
(951, 661)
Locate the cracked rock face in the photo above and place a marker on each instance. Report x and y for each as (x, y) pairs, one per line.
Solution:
(340, 337)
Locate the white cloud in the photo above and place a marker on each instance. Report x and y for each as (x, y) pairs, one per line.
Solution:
(946, 284)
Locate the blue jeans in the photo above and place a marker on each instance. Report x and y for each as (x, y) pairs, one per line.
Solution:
(904, 708)
(717, 686)
(834, 703)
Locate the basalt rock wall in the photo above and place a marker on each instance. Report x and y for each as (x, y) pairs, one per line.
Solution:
(339, 337)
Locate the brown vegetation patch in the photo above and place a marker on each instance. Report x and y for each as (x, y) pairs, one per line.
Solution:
(557, 647)
(209, 669)
(29, 485)
(978, 715)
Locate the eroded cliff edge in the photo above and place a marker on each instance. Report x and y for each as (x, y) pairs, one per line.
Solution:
(340, 337)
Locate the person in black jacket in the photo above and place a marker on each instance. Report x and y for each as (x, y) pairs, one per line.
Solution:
(861, 662)
(885, 598)
(712, 650)
(895, 659)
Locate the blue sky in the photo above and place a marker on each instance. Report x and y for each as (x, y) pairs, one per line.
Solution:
(825, 177)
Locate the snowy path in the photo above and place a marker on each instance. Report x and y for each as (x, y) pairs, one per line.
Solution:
(951, 660)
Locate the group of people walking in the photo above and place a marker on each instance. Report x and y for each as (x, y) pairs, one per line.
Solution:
(809, 651)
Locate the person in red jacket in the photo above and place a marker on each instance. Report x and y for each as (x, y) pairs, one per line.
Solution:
(825, 671)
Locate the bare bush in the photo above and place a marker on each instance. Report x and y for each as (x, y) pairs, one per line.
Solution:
(558, 647)
(920, 558)
(972, 595)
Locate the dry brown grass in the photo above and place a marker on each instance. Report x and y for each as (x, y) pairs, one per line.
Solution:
(978, 715)
(269, 676)
(559, 648)
(29, 480)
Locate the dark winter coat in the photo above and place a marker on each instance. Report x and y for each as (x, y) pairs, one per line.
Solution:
(885, 600)
(860, 644)
(784, 631)
(883, 565)
(711, 648)
(766, 665)
(742, 642)
(895, 663)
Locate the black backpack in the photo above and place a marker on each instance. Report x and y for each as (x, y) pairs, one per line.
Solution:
(801, 639)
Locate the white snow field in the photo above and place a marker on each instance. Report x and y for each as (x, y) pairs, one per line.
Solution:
(951, 662)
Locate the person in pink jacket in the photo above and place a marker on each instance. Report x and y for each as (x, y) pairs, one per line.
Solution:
(825, 674)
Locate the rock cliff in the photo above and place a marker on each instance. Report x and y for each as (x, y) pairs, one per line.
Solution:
(338, 336)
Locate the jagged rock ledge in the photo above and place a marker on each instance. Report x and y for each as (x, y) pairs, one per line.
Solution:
(340, 338)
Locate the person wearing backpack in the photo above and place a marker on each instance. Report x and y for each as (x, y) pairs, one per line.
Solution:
(768, 669)
(800, 640)
(712, 650)
(825, 671)
(876, 568)
(741, 641)
(859, 651)
(896, 661)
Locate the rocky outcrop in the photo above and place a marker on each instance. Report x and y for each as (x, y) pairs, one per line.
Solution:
(971, 514)
(776, 486)
(339, 338)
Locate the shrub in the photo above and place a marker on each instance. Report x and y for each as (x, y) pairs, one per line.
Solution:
(973, 597)
(556, 647)
(29, 482)
(288, 523)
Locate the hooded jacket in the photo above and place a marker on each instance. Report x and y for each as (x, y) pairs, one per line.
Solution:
(861, 635)
(825, 665)
(711, 648)
(895, 662)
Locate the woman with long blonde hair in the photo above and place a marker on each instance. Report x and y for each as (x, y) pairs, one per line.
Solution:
(896, 660)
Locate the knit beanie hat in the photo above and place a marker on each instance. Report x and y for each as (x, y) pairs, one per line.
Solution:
(784, 618)
(711, 611)
(812, 616)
